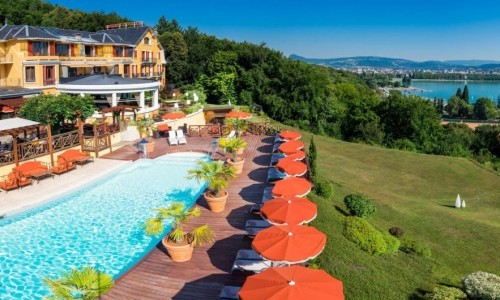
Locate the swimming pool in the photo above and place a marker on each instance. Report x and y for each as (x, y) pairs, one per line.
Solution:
(97, 225)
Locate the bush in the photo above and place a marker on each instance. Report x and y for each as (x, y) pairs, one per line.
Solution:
(415, 247)
(362, 233)
(323, 188)
(482, 285)
(397, 232)
(359, 205)
(404, 144)
(442, 292)
(392, 243)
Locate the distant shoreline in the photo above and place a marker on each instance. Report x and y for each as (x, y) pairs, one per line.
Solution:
(457, 80)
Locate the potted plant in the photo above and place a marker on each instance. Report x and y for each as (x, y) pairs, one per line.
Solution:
(146, 127)
(216, 174)
(87, 283)
(237, 125)
(234, 146)
(181, 241)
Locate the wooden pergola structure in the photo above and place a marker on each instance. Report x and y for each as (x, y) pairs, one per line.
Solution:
(15, 126)
(122, 109)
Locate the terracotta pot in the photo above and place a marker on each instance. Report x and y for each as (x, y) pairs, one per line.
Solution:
(216, 204)
(178, 252)
(150, 146)
(238, 165)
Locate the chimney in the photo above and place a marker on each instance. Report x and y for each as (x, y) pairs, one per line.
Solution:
(78, 37)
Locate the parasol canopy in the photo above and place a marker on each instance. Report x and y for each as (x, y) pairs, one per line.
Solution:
(290, 135)
(292, 187)
(289, 211)
(290, 147)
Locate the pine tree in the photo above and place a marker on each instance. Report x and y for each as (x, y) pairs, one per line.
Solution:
(311, 157)
(465, 94)
(459, 93)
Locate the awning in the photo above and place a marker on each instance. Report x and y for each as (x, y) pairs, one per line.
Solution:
(16, 123)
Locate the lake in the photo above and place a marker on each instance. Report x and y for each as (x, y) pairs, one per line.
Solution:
(447, 88)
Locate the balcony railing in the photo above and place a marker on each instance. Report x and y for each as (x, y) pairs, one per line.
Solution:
(49, 82)
(6, 58)
(149, 60)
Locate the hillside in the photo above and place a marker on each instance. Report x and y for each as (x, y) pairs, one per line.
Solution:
(415, 192)
(396, 63)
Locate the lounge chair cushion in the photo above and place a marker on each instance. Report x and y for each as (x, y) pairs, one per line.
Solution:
(255, 266)
(229, 292)
(274, 175)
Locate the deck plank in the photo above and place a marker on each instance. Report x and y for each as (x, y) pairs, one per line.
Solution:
(156, 276)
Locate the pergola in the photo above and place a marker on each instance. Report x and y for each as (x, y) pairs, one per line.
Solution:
(119, 108)
(16, 126)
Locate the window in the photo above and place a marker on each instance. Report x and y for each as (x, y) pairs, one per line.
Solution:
(49, 75)
(62, 49)
(147, 41)
(40, 48)
(130, 51)
(116, 69)
(126, 70)
(89, 51)
(118, 51)
(30, 74)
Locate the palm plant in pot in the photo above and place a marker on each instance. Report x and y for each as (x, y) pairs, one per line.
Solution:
(238, 125)
(217, 175)
(233, 146)
(181, 241)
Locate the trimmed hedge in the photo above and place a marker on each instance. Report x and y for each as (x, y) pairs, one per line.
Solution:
(359, 205)
(415, 247)
(482, 285)
(362, 233)
(323, 188)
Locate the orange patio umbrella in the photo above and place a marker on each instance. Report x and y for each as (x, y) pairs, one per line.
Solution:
(292, 283)
(290, 147)
(299, 155)
(289, 211)
(291, 167)
(289, 244)
(173, 116)
(290, 135)
(291, 187)
(238, 115)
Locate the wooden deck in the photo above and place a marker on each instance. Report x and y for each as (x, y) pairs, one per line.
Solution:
(157, 277)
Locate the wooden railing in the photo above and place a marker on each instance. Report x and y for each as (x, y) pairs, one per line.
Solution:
(211, 130)
(65, 140)
(96, 144)
(262, 128)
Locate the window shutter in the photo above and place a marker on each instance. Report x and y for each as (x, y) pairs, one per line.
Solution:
(135, 53)
(52, 48)
(96, 51)
(30, 48)
(72, 49)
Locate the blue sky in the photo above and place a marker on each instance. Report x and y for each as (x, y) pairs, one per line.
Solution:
(418, 30)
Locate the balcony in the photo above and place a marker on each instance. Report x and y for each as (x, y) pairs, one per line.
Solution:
(149, 60)
(49, 81)
(5, 58)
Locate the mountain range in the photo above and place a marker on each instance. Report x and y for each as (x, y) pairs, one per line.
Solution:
(376, 62)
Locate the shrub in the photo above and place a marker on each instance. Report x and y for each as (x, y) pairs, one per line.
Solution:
(323, 188)
(415, 247)
(482, 285)
(392, 243)
(362, 233)
(397, 232)
(359, 205)
(442, 292)
(404, 144)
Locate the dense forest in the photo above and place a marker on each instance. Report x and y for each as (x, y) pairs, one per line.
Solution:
(41, 13)
(319, 99)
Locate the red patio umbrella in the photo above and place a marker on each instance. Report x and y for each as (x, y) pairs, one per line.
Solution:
(290, 147)
(290, 135)
(291, 187)
(291, 167)
(290, 244)
(289, 211)
(299, 155)
(238, 115)
(173, 116)
(292, 283)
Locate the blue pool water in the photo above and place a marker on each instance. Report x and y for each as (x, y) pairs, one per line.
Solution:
(98, 225)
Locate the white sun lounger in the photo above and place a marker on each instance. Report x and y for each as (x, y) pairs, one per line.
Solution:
(172, 139)
(267, 195)
(181, 139)
(255, 266)
(252, 227)
(248, 254)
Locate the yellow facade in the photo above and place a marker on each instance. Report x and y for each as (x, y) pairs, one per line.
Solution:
(22, 66)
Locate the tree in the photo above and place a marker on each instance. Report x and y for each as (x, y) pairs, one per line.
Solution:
(457, 107)
(176, 53)
(485, 109)
(311, 157)
(459, 93)
(57, 109)
(87, 284)
(465, 94)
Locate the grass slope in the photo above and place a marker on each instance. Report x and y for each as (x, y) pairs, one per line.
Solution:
(415, 192)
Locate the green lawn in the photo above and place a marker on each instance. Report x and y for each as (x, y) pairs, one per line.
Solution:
(416, 192)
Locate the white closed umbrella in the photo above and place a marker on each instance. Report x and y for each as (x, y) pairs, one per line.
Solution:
(458, 202)
(463, 203)
(195, 97)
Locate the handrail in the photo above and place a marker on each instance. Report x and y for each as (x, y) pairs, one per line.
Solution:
(210, 129)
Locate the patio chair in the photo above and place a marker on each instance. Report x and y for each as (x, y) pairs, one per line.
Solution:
(231, 134)
(275, 147)
(76, 156)
(181, 139)
(62, 166)
(252, 227)
(9, 182)
(267, 194)
(22, 180)
(172, 139)
(275, 158)
(254, 266)
(248, 254)
(229, 292)
(274, 175)
(278, 139)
